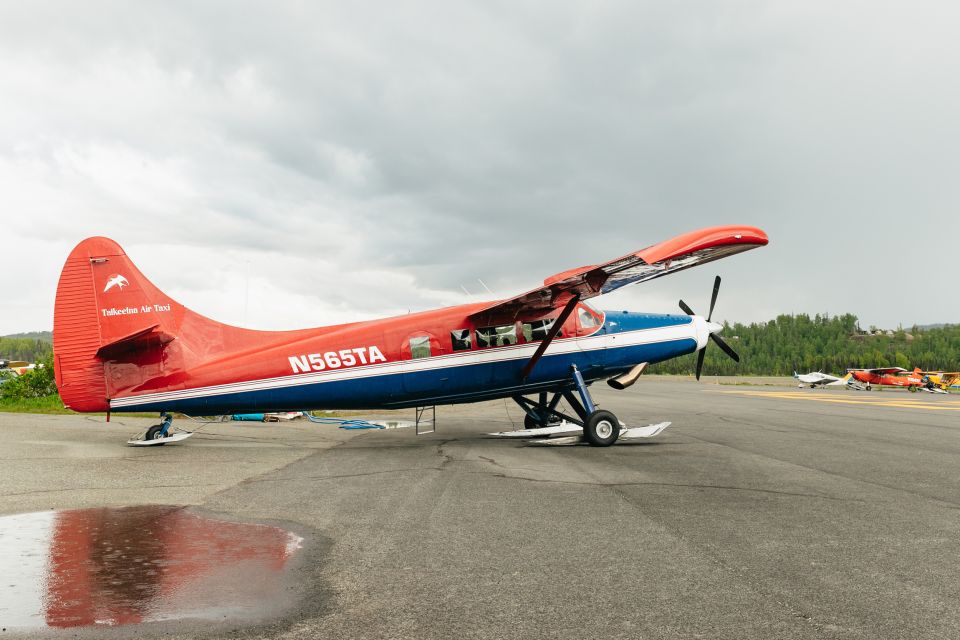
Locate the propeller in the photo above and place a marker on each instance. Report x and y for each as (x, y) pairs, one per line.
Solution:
(717, 339)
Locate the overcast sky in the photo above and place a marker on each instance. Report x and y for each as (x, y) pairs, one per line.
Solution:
(282, 165)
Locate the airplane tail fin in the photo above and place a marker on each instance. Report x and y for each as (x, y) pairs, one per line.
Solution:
(107, 315)
(115, 333)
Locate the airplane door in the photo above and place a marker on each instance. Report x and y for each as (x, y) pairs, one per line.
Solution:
(591, 337)
(424, 373)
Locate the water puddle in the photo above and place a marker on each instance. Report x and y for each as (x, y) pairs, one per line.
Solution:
(117, 566)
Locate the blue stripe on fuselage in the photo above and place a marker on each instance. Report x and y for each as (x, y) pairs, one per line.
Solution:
(449, 385)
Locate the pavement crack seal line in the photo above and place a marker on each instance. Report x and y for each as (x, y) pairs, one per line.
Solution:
(447, 458)
(944, 502)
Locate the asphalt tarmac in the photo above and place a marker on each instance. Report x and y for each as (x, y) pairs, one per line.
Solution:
(762, 512)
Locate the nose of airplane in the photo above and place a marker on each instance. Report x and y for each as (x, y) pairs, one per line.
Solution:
(704, 329)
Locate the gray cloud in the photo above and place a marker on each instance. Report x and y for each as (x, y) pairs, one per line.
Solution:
(369, 158)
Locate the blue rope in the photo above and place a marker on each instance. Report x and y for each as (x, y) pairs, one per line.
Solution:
(344, 422)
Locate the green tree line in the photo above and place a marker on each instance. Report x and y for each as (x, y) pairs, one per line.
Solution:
(29, 349)
(822, 343)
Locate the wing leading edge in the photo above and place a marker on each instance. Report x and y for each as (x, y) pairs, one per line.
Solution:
(676, 254)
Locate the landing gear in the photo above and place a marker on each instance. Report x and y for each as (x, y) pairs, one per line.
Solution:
(530, 422)
(160, 434)
(161, 430)
(600, 428)
(542, 412)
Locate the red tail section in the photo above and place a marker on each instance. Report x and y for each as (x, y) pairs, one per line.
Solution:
(115, 333)
(105, 307)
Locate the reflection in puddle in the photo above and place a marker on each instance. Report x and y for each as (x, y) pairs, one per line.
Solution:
(136, 564)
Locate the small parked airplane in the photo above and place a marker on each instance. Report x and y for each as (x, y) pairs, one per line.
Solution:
(121, 344)
(895, 377)
(819, 379)
(942, 380)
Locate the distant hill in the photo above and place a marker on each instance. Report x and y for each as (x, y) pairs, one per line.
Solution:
(46, 336)
(940, 325)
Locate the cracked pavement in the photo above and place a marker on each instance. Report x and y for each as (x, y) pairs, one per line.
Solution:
(750, 517)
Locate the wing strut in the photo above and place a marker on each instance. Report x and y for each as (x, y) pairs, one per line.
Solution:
(554, 330)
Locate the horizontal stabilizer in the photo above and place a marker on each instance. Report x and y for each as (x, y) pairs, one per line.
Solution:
(150, 336)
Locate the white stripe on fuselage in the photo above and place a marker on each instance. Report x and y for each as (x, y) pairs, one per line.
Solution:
(524, 351)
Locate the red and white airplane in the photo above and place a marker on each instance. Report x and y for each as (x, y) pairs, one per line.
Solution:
(895, 377)
(121, 344)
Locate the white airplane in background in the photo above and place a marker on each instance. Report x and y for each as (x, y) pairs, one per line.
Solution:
(818, 379)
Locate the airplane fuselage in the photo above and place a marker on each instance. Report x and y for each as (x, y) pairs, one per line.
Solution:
(435, 357)
(888, 380)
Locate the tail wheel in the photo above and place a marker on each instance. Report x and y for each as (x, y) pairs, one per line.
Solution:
(153, 433)
(601, 429)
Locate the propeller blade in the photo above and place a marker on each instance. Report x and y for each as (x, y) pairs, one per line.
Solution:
(688, 310)
(713, 298)
(700, 355)
(725, 347)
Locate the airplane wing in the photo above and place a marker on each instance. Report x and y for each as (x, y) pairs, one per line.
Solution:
(682, 252)
(883, 371)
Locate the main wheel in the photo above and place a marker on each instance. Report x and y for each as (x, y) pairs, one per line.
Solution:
(601, 429)
(153, 433)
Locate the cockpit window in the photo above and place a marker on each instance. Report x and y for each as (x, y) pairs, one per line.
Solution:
(420, 347)
(461, 339)
(497, 336)
(537, 329)
(587, 319)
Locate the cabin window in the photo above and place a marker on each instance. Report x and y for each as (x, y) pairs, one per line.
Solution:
(461, 339)
(420, 347)
(497, 336)
(537, 330)
(587, 319)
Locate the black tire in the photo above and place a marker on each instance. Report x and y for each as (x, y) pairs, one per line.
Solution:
(869, 388)
(153, 433)
(601, 429)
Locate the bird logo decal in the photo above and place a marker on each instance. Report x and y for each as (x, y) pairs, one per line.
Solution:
(116, 280)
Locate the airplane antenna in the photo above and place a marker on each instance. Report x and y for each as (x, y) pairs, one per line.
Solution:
(484, 284)
(246, 294)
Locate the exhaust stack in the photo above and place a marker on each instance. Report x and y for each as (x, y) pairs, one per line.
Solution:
(625, 380)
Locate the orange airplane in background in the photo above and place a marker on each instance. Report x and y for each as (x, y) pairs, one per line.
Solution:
(893, 377)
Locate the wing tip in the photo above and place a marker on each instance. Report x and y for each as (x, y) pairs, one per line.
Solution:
(707, 238)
